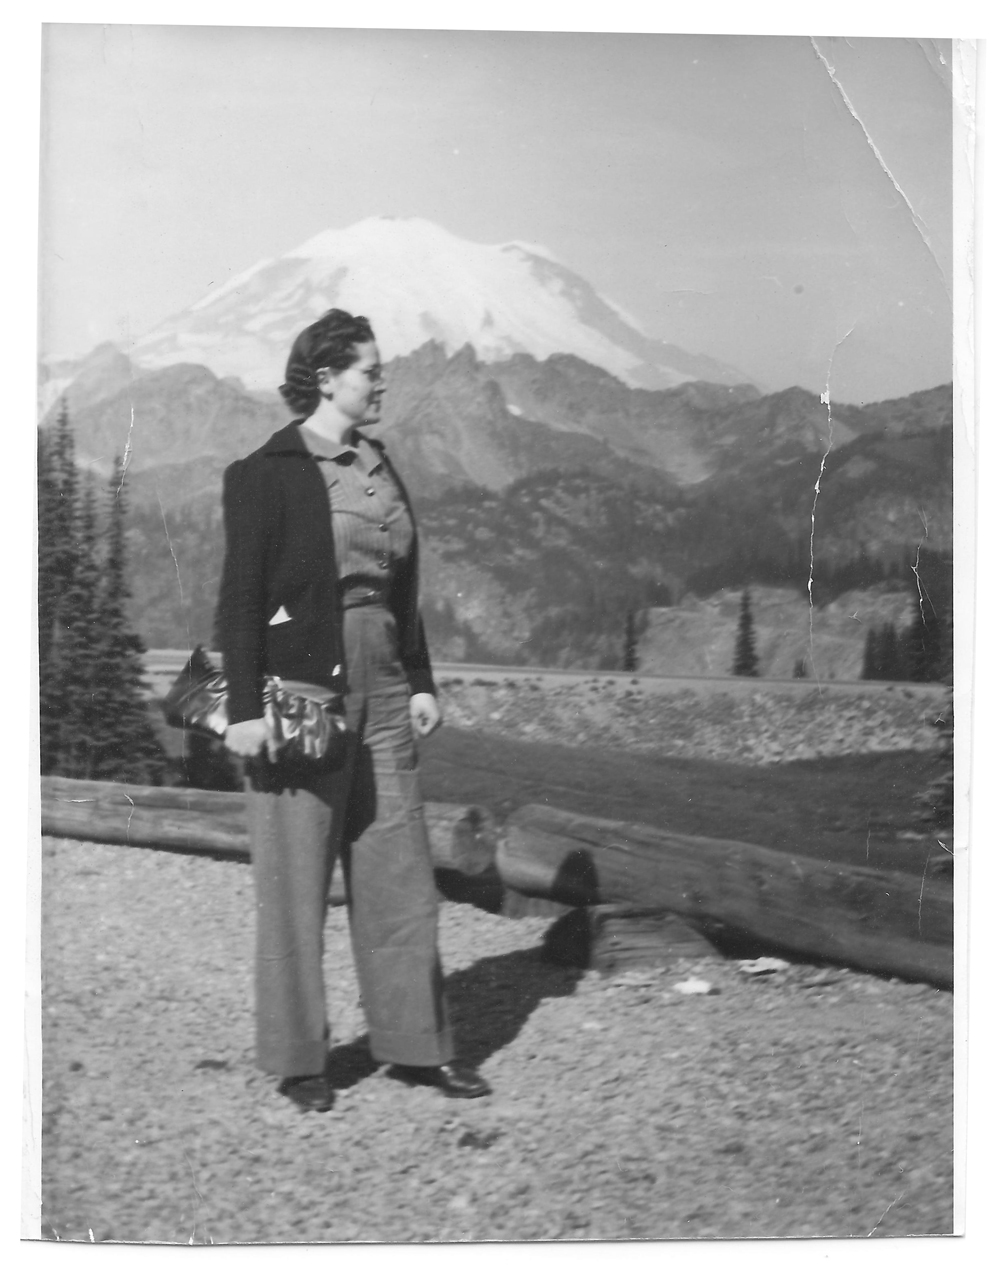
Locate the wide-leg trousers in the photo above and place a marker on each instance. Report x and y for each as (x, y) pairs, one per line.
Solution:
(370, 812)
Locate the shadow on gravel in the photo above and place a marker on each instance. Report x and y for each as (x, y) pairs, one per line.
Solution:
(348, 1065)
(492, 1000)
(489, 1003)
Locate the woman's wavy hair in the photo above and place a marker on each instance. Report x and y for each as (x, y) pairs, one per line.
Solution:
(330, 341)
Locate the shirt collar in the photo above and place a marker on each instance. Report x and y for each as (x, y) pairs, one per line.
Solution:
(368, 456)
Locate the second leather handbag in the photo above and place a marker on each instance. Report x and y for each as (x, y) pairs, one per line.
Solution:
(304, 719)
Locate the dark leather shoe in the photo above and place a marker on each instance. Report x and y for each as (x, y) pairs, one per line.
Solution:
(452, 1080)
(309, 1093)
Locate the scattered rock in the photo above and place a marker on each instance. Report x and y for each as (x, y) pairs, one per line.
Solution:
(695, 988)
(762, 965)
(769, 726)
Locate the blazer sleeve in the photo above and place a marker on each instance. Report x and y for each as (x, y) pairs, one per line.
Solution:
(241, 615)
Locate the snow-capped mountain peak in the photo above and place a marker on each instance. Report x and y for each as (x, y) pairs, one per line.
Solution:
(416, 282)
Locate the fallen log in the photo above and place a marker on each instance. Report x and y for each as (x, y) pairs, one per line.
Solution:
(887, 922)
(202, 821)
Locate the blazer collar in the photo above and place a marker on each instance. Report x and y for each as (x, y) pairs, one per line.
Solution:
(286, 440)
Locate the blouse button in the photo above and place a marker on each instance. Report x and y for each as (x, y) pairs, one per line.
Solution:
(369, 491)
(384, 528)
(383, 564)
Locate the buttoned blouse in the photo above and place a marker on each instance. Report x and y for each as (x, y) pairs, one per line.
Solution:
(372, 527)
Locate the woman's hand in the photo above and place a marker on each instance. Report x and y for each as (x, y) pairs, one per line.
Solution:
(425, 713)
(249, 737)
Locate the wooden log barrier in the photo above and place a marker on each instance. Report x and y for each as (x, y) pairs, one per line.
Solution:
(892, 923)
(888, 922)
(463, 839)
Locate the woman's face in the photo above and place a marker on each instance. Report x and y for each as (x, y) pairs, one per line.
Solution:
(357, 391)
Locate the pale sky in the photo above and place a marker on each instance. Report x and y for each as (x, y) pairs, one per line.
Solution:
(718, 187)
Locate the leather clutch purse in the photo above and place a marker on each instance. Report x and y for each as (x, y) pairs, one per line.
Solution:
(304, 719)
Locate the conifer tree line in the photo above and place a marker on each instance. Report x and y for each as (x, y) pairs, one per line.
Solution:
(921, 652)
(93, 720)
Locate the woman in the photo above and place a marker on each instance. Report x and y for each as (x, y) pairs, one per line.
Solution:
(319, 585)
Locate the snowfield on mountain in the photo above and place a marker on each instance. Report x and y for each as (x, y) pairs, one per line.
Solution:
(417, 282)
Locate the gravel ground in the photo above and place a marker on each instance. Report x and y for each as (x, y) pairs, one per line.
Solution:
(806, 1102)
(769, 726)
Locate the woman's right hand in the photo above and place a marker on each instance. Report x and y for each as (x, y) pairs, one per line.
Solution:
(249, 737)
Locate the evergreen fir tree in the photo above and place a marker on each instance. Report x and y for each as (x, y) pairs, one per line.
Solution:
(74, 674)
(125, 744)
(48, 599)
(630, 659)
(870, 662)
(923, 641)
(57, 555)
(48, 590)
(745, 659)
(885, 653)
(890, 660)
(67, 484)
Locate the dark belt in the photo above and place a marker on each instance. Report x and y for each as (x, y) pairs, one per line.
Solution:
(356, 595)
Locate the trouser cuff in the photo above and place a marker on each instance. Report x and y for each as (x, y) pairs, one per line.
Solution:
(284, 1058)
(411, 1049)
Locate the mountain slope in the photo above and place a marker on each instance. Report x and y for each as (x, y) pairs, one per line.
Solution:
(455, 420)
(178, 415)
(417, 283)
(545, 570)
(670, 428)
(552, 498)
(446, 423)
(95, 377)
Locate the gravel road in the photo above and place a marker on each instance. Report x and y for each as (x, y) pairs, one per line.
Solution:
(806, 1102)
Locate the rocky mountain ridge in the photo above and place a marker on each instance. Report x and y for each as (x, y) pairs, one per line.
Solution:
(553, 499)
(454, 419)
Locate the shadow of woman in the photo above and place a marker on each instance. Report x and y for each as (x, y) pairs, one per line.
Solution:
(349, 1064)
(489, 1002)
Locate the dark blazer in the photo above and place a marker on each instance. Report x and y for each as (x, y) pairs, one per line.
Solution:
(280, 554)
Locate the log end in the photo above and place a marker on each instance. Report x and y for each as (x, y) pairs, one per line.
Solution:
(612, 938)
